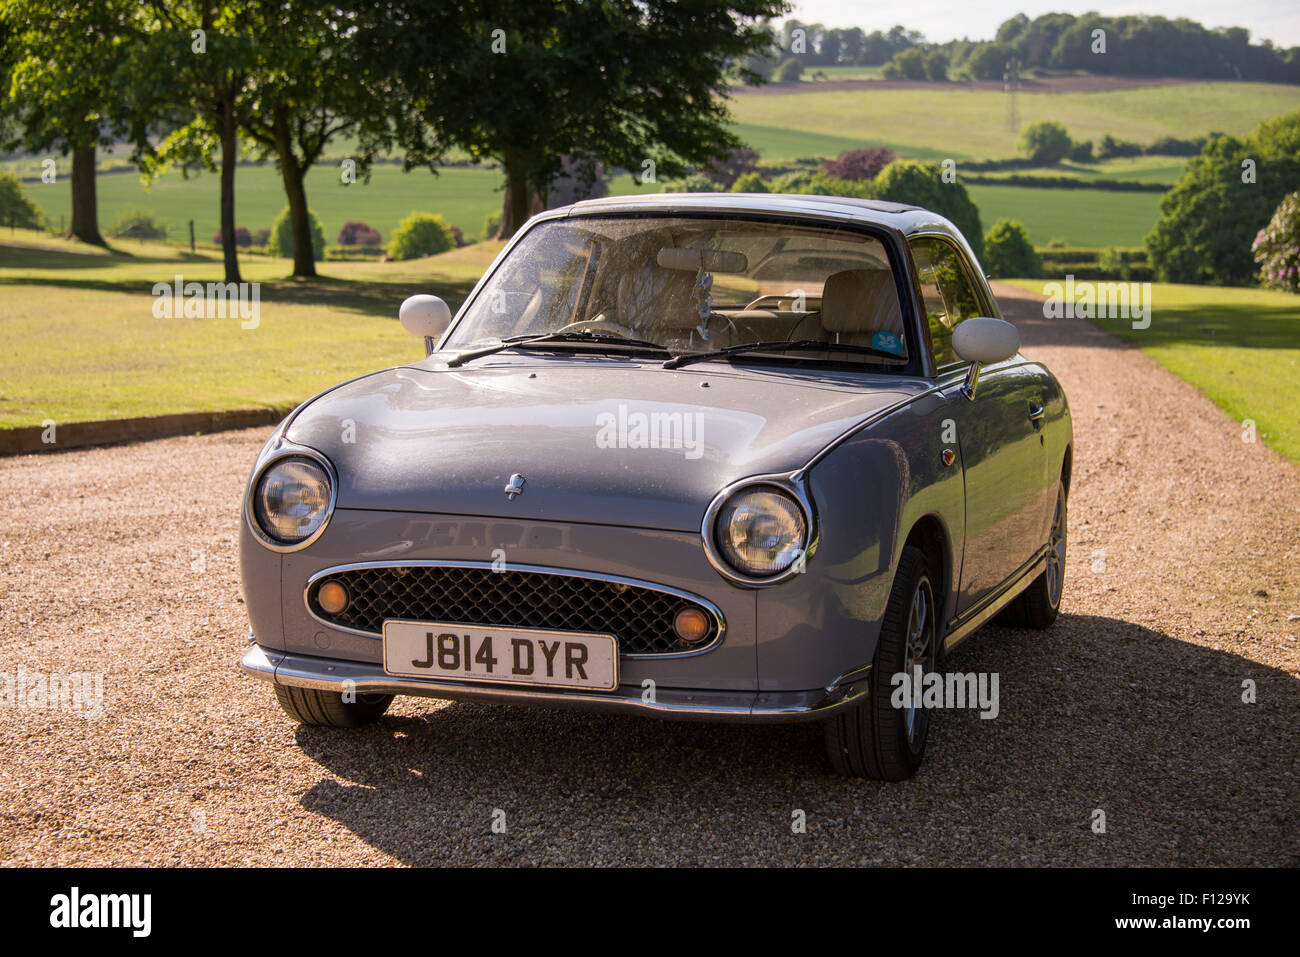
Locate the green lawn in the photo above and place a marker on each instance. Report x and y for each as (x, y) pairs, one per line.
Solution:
(972, 124)
(83, 342)
(1241, 347)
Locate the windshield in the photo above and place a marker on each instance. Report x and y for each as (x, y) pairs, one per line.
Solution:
(692, 285)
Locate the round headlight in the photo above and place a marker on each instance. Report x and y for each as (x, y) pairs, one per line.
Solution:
(292, 499)
(761, 531)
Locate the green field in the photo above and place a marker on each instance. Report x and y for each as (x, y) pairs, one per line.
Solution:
(83, 342)
(972, 124)
(1241, 347)
(463, 196)
(783, 123)
(1081, 217)
(1142, 169)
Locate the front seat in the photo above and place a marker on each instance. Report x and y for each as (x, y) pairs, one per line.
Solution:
(860, 308)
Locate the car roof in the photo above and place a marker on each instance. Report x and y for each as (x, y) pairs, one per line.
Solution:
(906, 219)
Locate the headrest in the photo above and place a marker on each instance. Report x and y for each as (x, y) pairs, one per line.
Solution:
(861, 300)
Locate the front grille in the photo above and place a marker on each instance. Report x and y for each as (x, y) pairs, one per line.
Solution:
(640, 618)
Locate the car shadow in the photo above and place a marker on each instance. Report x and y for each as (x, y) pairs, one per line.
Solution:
(1095, 715)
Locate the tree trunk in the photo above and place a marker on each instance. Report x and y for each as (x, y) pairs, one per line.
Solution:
(229, 159)
(304, 258)
(514, 209)
(85, 206)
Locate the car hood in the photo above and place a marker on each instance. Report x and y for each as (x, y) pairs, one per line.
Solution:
(582, 431)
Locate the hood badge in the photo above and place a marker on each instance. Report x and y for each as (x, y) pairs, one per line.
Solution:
(516, 486)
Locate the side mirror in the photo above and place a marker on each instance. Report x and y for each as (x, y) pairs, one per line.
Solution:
(980, 340)
(425, 316)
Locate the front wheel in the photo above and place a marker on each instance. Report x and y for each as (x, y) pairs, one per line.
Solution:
(873, 738)
(1038, 605)
(328, 709)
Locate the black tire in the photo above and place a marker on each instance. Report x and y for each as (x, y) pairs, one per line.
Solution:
(1038, 605)
(328, 709)
(873, 739)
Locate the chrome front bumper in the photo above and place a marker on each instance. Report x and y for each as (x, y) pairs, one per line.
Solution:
(325, 674)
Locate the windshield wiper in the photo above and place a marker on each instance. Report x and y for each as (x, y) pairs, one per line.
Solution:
(514, 342)
(686, 358)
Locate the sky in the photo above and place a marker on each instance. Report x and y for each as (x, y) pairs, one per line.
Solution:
(942, 20)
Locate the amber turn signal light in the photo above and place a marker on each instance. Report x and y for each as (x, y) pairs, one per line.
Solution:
(332, 598)
(691, 625)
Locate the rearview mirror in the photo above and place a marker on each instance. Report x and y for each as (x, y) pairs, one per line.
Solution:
(706, 260)
(425, 316)
(980, 340)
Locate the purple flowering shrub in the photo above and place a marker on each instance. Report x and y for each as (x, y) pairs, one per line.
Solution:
(1277, 247)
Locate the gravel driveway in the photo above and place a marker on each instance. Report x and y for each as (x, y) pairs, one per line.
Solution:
(1182, 584)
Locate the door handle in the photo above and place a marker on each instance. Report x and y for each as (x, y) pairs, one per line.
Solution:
(1036, 412)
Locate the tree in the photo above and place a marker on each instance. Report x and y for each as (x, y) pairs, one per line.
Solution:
(1046, 142)
(988, 61)
(723, 172)
(921, 184)
(1081, 152)
(936, 65)
(189, 75)
(1008, 252)
(581, 176)
(1195, 240)
(1035, 43)
(907, 64)
(313, 82)
(1012, 29)
(527, 82)
(64, 71)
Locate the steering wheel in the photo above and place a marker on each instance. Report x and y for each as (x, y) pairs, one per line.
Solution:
(777, 296)
(731, 324)
(598, 322)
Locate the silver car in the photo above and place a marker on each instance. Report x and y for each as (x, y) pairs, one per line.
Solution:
(725, 457)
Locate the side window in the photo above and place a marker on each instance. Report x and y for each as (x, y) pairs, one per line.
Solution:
(947, 293)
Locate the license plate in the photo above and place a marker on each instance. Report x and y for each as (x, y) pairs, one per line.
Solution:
(562, 659)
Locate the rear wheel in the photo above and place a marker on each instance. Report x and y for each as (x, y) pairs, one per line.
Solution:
(1038, 605)
(328, 709)
(873, 739)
